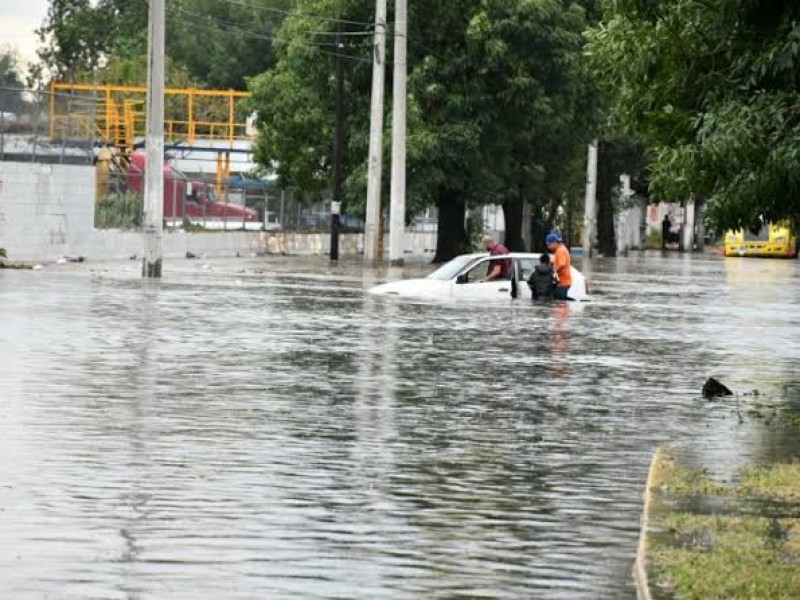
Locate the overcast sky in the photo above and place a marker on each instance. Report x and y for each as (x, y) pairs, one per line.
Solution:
(18, 19)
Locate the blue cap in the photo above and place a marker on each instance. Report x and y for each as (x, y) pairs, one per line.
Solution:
(552, 238)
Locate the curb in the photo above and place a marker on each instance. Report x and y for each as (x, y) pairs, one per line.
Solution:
(640, 564)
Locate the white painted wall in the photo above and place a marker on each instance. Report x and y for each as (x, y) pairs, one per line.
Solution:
(628, 226)
(47, 212)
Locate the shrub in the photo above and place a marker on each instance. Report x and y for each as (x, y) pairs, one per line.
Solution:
(123, 211)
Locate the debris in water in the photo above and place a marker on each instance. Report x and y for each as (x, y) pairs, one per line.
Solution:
(714, 389)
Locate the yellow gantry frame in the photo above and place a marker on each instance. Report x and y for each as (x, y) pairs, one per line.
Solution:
(117, 116)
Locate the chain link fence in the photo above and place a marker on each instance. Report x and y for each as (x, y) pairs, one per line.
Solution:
(40, 126)
(197, 204)
(71, 128)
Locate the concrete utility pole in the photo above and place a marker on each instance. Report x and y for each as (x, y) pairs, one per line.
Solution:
(397, 201)
(687, 231)
(338, 146)
(154, 145)
(590, 206)
(371, 252)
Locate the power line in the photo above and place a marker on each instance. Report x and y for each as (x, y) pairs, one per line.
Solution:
(233, 28)
(281, 11)
(263, 36)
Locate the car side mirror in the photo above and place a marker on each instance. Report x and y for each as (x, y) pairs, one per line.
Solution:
(462, 278)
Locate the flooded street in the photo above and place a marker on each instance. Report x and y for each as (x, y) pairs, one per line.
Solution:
(262, 428)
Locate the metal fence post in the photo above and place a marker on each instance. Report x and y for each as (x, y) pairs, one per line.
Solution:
(266, 207)
(174, 200)
(36, 125)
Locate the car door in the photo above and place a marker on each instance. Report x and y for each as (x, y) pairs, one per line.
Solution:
(468, 284)
(524, 267)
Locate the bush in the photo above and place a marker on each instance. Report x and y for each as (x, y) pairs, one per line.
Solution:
(475, 231)
(654, 239)
(123, 211)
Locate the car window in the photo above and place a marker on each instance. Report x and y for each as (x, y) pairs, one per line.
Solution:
(452, 268)
(477, 272)
(525, 266)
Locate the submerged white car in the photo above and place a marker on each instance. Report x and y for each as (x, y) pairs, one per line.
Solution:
(461, 278)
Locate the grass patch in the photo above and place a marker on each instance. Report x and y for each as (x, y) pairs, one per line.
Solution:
(674, 478)
(780, 481)
(748, 548)
(734, 557)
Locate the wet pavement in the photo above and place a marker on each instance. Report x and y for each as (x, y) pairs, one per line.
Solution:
(262, 428)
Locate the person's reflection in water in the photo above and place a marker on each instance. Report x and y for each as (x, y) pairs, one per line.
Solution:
(559, 346)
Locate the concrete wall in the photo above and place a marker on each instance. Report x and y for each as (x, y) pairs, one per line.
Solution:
(629, 227)
(47, 212)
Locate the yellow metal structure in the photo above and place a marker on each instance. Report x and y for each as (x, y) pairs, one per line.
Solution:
(114, 116)
(774, 240)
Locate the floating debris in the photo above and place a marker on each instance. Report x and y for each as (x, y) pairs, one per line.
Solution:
(714, 389)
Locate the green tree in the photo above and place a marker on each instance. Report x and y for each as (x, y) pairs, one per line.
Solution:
(74, 38)
(219, 44)
(712, 87)
(491, 82)
(224, 43)
(10, 80)
(535, 98)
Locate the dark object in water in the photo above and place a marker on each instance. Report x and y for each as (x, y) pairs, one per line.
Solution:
(714, 389)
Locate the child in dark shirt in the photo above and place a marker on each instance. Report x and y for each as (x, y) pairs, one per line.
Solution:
(542, 280)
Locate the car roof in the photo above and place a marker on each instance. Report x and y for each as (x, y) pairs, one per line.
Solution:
(509, 255)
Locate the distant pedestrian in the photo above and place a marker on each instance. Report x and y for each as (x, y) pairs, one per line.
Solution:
(666, 229)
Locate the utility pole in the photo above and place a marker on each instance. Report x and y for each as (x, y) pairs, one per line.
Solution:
(375, 135)
(338, 145)
(154, 145)
(397, 200)
(590, 210)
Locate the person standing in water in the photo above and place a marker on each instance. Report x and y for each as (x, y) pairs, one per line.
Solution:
(542, 280)
(561, 265)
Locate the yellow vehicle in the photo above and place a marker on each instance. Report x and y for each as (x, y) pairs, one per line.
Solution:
(774, 240)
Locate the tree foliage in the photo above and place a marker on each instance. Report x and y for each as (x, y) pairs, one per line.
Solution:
(497, 100)
(10, 81)
(217, 44)
(712, 86)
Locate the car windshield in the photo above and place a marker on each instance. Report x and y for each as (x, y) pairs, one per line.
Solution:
(452, 268)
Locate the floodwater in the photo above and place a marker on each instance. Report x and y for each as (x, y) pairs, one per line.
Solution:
(263, 428)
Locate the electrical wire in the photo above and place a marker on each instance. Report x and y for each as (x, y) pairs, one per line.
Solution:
(295, 12)
(231, 27)
(259, 35)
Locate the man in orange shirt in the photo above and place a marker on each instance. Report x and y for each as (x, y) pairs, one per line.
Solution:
(561, 265)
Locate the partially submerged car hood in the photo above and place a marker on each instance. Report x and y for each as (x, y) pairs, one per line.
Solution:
(412, 287)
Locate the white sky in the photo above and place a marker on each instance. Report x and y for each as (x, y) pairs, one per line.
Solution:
(18, 19)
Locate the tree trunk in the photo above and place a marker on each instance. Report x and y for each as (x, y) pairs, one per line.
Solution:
(606, 241)
(451, 236)
(540, 226)
(512, 213)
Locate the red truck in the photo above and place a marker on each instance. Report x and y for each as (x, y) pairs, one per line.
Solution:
(195, 200)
